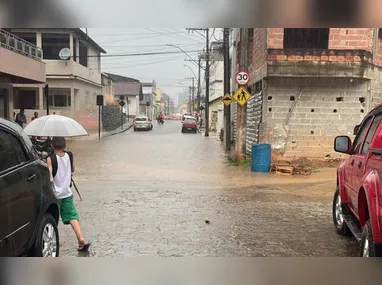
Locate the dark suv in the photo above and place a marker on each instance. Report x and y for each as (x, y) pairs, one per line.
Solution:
(29, 211)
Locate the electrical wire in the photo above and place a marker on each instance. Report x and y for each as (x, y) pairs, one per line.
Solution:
(139, 38)
(165, 33)
(141, 54)
(136, 64)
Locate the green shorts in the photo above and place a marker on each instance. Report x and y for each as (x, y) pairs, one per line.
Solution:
(68, 211)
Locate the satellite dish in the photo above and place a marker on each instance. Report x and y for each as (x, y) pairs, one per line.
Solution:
(64, 53)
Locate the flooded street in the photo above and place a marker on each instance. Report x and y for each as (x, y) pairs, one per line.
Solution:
(164, 193)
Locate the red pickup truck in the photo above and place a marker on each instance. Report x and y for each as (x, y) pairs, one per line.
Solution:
(357, 203)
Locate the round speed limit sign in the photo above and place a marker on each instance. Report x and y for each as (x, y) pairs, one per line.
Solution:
(242, 78)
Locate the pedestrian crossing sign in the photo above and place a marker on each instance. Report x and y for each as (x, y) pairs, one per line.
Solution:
(227, 99)
(242, 96)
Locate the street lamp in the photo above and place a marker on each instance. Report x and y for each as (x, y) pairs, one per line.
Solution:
(191, 70)
(182, 50)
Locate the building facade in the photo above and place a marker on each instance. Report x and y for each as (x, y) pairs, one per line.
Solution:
(73, 83)
(131, 90)
(108, 89)
(309, 85)
(216, 106)
(147, 105)
(22, 64)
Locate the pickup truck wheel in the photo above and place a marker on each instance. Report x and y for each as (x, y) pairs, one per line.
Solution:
(338, 217)
(47, 239)
(367, 246)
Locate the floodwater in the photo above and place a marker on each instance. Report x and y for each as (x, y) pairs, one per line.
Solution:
(164, 193)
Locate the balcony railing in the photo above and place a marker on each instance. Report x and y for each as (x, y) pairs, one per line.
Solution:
(16, 44)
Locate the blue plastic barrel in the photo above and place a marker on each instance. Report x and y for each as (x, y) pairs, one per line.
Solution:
(261, 157)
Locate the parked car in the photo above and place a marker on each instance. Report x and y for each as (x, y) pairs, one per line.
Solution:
(357, 203)
(189, 125)
(29, 211)
(143, 123)
(186, 115)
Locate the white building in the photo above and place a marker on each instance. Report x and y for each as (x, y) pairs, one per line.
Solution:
(20, 63)
(147, 105)
(131, 90)
(216, 106)
(73, 83)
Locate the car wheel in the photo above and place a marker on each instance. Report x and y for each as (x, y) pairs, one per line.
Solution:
(367, 245)
(338, 217)
(47, 243)
(182, 130)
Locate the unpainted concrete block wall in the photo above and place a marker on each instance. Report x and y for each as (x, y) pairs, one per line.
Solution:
(328, 107)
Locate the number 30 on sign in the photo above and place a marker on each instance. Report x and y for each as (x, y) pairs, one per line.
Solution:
(242, 78)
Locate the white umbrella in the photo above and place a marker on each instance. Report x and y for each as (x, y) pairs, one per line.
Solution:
(55, 126)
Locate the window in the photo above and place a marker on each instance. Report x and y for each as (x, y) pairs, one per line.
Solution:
(361, 135)
(53, 43)
(59, 97)
(74, 49)
(83, 54)
(306, 38)
(371, 133)
(60, 101)
(251, 33)
(25, 99)
(8, 156)
(20, 152)
(29, 37)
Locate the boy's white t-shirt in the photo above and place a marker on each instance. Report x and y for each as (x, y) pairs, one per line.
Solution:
(63, 177)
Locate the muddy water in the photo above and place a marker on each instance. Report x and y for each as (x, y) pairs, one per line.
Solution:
(164, 193)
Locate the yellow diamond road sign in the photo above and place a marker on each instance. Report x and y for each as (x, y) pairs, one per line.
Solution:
(242, 96)
(227, 99)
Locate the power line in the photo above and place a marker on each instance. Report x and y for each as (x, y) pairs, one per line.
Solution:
(143, 37)
(150, 45)
(136, 64)
(140, 54)
(119, 60)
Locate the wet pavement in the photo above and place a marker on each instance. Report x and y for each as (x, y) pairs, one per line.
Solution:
(164, 193)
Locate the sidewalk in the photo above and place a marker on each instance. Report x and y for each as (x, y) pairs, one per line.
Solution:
(94, 135)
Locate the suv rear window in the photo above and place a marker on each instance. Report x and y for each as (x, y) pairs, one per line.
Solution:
(8, 156)
(190, 121)
(141, 119)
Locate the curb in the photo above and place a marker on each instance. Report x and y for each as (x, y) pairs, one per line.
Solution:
(116, 133)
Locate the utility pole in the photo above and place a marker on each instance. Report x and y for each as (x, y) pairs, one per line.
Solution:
(193, 94)
(241, 120)
(199, 64)
(199, 91)
(227, 109)
(207, 73)
(189, 98)
(207, 78)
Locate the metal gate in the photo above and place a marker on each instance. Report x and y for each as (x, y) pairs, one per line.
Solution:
(254, 115)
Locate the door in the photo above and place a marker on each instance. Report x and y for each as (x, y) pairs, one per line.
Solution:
(360, 158)
(353, 162)
(22, 180)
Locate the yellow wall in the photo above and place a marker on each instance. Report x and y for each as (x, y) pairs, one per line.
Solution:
(159, 94)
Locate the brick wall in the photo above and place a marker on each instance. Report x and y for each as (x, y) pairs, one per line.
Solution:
(275, 37)
(328, 107)
(339, 38)
(259, 49)
(344, 38)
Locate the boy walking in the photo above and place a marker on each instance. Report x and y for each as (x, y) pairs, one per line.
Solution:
(61, 166)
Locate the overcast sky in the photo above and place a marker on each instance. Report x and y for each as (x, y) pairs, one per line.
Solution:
(167, 70)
